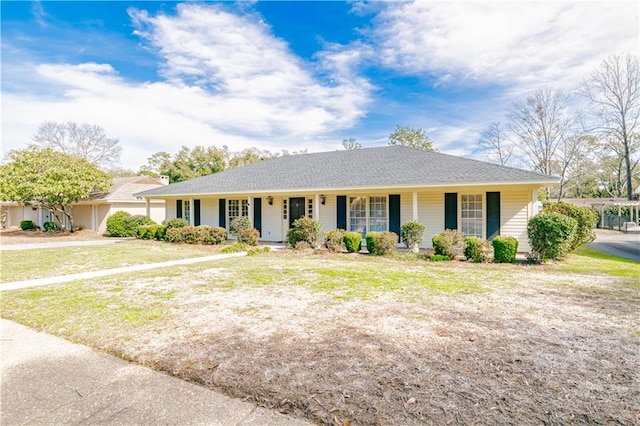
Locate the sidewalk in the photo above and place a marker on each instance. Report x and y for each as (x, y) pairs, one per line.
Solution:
(49, 381)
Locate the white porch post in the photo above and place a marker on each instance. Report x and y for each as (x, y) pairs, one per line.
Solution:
(250, 209)
(415, 205)
(316, 208)
(191, 211)
(148, 202)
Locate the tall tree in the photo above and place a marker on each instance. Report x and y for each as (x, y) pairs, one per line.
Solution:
(350, 144)
(52, 179)
(249, 156)
(495, 143)
(614, 91)
(87, 141)
(541, 125)
(415, 138)
(158, 164)
(187, 163)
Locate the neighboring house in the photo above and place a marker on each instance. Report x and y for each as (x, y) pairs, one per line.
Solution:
(92, 213)
(374, 189)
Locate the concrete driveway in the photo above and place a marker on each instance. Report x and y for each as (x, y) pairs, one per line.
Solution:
(618, 244)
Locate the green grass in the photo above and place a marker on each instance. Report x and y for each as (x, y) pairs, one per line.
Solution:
(39, 263)
(586, 260)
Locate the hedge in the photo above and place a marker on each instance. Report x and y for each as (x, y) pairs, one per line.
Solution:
(352, 241)
(449, 243)
(306, 230)
(381, 243)
(333, 240)
(504, 249)
(27, 225)
(115, 224)
(477, 249)
(585, 218)
(550, 235)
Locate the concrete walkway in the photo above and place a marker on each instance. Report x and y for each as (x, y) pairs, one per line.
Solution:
(105, 272)
(49, 381)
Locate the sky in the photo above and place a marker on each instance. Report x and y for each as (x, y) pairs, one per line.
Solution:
(302, 75)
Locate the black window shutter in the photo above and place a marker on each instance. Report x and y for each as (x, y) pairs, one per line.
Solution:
(222, 213)
(493, 215)
(341, 214)
(179, 209)
(451, 210)
(394, 214)
(257, 214)
(196, 212)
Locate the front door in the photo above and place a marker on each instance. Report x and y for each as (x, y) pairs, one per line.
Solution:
(297, 209)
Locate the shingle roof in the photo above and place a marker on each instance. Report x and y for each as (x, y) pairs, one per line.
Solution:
(391, 166)
(125, 188)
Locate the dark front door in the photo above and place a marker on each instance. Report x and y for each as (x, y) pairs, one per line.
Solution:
(297, 209)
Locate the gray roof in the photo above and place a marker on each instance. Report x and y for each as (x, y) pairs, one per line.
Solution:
(390, 166)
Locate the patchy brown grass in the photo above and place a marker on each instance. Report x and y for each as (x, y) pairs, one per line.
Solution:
(333, 338)
(18, 236)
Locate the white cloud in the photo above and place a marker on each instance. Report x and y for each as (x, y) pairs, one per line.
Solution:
(226, 81)
(523, 44)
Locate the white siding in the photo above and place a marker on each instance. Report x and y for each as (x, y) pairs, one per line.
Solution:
(328, 213)
(208, 211)
(272, 220)
(514, 206)
(431, 214)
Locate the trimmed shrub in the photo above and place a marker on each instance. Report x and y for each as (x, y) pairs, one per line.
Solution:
(352, 241)
(238, 225)
(176, 223)
(147, 232)
(477, 249)
(439, 258)
(211, 234)
(551, 234)
(381, 243)
(27, 225)
(132, 223)
(505, 249)
(449, 243)
(234, 248)
(174, 235)
(249, 236)
(333, 240)
(585, 218)
(160, 232)
(115, 224)
(412, 234)
(50, 226)
(304, 229)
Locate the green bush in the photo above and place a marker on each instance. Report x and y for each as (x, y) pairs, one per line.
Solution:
(551, 234)
(50, 226)
(449, 243)
(132, 223)
(160, 232)
(381, 243)
(304, 229)
(504, 249)
(412, 234)
(174, 235)
(206, 234)
(257, 250)
(585, 218)
(477, 249)
(27, 225)
(177, 223)
(249, 236)
(333, 240)
(147, 232)
(352, 241)
(115, 224)
(238, 225)
(234, 248)
(439, 258)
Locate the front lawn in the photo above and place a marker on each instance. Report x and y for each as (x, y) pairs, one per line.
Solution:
(332, 338)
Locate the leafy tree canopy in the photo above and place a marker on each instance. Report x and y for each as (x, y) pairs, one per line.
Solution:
(50, 178)
(415, 138)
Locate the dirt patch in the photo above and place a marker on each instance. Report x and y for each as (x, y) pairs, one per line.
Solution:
(542, 350)
(18, 236)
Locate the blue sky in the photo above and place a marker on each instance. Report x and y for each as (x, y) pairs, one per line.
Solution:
(293, 75)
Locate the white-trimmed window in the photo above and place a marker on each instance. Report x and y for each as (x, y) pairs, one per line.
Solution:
(368, 214)
(238, 208)
(310, 208)
(471, 215)
(284, 209)
(186, 210)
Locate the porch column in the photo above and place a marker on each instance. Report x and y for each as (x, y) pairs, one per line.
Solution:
(316, 208)
(415, 205)
(148, 202)
(249, 209)
(191, 211)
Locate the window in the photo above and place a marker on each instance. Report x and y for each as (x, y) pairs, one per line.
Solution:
(310, 207)
(376, 220)
(284, 209)
(186, 210)
(238, 208)
(471, 215)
